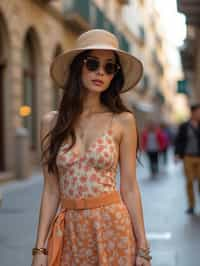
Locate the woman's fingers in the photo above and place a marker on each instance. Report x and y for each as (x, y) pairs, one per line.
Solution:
(142, 262)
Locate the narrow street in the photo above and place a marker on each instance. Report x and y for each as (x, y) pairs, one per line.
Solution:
(174, 236)
(66, 67)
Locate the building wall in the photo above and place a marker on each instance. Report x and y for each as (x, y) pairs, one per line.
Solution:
(189, 51)
(47, 32)
(112, 9)
(151, 46)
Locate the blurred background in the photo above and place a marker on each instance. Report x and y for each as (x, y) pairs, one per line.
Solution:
(165, 35)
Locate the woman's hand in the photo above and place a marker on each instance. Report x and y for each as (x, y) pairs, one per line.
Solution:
(142, 262)
(39, 260)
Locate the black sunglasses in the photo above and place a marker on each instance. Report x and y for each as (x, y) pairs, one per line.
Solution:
(93, 64)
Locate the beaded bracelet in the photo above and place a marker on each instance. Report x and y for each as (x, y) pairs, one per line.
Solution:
(144, 253)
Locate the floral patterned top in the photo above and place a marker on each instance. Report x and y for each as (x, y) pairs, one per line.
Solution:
(90, 174)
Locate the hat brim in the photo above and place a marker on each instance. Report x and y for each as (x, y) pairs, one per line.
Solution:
(132, 68)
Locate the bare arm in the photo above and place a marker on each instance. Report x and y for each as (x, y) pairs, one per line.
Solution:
(129, 186)
(50, 193)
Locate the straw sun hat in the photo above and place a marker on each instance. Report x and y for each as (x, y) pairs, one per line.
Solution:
(97, 39)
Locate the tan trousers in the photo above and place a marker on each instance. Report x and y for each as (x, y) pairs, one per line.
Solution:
(192, 172)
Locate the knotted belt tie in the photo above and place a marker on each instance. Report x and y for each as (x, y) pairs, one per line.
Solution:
(55, 240)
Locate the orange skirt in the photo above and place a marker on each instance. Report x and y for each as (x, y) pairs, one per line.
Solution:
(99, 236)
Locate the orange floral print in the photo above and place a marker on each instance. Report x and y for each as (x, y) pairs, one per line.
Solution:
(102, 236)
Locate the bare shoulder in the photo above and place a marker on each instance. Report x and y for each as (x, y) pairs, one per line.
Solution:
(48, 121)
(124, 125)
(126, 120)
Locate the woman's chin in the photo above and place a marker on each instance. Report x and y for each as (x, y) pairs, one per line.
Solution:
(96, 89)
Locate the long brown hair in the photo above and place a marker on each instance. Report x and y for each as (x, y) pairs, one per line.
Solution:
(71, 106)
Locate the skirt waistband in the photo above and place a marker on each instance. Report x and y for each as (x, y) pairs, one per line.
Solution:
(104, 199)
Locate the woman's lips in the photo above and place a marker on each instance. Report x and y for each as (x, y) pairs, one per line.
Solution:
(97, 82)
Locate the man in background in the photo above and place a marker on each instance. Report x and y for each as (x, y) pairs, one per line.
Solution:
(187, 148)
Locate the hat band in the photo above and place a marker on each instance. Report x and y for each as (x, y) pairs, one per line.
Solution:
(97, 39)
(98, 46)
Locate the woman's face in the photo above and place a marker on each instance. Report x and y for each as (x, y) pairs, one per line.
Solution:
(98, 80)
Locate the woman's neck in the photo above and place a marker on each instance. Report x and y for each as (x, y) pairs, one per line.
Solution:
(92, 104)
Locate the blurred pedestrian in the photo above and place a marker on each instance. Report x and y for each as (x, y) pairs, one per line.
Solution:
(83, 143)
(187, 148)
(152, 142)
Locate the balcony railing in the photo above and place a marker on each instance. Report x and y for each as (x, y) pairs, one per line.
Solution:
(77, 13)
(84, 15)
(100, 18)
(123, 42)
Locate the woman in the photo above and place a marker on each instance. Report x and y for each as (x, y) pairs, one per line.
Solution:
(83, 219)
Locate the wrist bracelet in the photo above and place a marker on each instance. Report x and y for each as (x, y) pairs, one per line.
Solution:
(144, 254)
(146, 257)
(39, 251)
(146, 250)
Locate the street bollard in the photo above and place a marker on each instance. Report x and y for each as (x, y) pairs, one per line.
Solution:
(22, 154)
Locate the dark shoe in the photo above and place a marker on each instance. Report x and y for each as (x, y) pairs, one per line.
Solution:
(190, 211)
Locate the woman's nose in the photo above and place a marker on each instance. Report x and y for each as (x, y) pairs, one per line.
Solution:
(100, 70)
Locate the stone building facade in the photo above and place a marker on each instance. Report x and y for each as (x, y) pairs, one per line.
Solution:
(33, 32)
(190, 51)
(30, 36)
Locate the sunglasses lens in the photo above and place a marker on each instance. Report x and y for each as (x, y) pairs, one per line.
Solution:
(92, 64)
(110, 68)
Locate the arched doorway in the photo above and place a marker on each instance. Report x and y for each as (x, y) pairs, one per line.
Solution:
(3, 69)
(57, 94)
(29, 95)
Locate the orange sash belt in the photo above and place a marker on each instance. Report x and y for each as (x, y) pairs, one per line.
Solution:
(55, 240)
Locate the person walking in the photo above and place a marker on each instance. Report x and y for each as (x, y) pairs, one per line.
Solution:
(152, 143)
(187, 148)
(84, 219)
